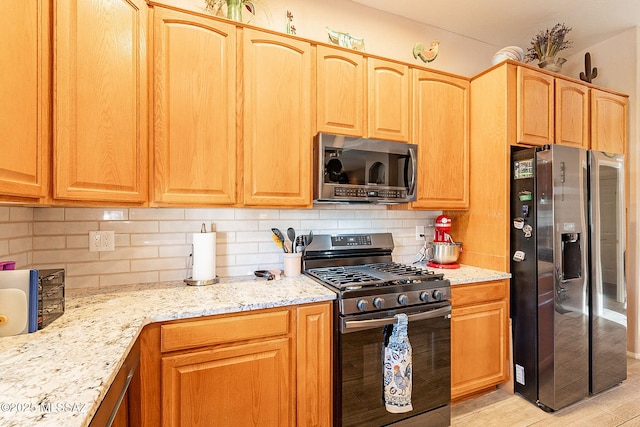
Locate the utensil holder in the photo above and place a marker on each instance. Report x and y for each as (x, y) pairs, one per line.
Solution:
(292, 264)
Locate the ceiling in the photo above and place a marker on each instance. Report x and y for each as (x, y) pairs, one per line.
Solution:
(506, 22)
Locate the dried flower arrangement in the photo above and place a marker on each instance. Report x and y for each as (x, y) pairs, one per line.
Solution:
(548, 43)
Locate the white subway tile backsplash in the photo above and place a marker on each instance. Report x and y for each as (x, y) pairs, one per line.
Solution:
(158, 239)
(95, 214)
(161, 214)
(55, 242)
(131, 226)
(209, 214)
(63, 228)
(17, 214)
(154, 244)
(127, 278)
(98, 268)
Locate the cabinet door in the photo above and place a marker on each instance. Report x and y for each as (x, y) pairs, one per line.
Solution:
(314, 365)
(100, 101)
(389, 105)
(572, 114)
(241, 385)
(479, 343)
(24, 89)
(194, 137)
(441, 130)
(340, 91)
(535, 109)
(277, 120)
(609, 122)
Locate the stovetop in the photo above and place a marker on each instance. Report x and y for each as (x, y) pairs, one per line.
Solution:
(359, 267)
(372, 275)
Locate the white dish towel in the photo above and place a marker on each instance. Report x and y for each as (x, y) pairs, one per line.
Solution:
(397, 368)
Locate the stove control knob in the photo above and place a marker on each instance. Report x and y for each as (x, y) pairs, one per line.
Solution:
(402, 299)
(362, 305)
(378, 302)
(424, 296)
(437, 295)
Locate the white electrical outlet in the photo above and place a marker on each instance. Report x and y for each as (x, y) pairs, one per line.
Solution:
(100, 241)
(420, 232)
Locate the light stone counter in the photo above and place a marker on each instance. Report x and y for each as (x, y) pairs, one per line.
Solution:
(468, 274)
(59, 375)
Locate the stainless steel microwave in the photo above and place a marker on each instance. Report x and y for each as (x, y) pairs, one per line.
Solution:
(351, 169)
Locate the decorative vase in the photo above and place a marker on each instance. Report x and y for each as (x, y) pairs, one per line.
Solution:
(234, 10)
(551, 63)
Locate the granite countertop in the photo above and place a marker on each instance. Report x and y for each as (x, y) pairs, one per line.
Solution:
(59, 375)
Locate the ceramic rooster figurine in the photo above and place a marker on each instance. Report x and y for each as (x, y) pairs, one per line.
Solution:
(427, 55)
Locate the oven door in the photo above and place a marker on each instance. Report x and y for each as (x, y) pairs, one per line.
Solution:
(359, 387)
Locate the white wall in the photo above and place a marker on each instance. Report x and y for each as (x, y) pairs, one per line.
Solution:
(385, 35)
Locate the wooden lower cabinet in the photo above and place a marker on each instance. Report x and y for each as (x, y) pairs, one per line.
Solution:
(479, 337)
(275, 371)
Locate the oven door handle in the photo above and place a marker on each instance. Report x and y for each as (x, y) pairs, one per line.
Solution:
(359, 325)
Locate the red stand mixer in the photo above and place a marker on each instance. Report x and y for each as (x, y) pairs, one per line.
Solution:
(443, 252)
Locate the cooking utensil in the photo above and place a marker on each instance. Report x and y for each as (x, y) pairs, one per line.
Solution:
(278, 242)
(309, 238)
(280, 236)
(299, 243)
(291, 234)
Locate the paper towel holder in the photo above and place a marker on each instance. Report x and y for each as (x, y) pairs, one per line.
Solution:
(192, 282)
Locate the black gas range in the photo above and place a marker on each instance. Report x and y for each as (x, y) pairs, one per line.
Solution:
(372, 291)
(361, 270)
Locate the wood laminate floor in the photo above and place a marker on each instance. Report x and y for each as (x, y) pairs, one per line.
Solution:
(618, 406)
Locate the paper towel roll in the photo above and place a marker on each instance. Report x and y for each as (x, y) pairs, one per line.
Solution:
(204, 256)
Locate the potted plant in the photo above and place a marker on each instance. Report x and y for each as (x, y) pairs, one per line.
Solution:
(545, 46)
(234, 8)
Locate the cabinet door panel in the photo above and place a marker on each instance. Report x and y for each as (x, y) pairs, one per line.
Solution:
(240, 385)
(535, 98)
(340, 91)
(277, 120)
(100, 100)
(194, 110)
(479, 343)
(441, 130)
(609, 122)
(389, 105)
(572, 114)
(314, 365)
(24, 89)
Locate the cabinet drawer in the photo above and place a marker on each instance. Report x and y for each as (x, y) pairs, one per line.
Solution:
(479, 292)
(199, 333)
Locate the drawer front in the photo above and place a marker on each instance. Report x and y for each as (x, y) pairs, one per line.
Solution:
(479, 292)
(199, 333)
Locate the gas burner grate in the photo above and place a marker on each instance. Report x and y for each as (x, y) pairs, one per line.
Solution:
(341, 276)
(404, 270)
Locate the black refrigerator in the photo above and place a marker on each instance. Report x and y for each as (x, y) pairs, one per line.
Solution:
(567, 288)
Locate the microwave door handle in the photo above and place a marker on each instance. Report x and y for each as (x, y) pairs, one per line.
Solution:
(359, 325)
(414, 171)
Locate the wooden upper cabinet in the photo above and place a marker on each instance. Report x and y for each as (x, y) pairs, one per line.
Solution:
(572, 114)
(100, 101)
(389, 100)
(609, 122)
(24, 89)
(340, 79)
(534, 108)
(194, 87)
(441, 130)
(277, 135)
